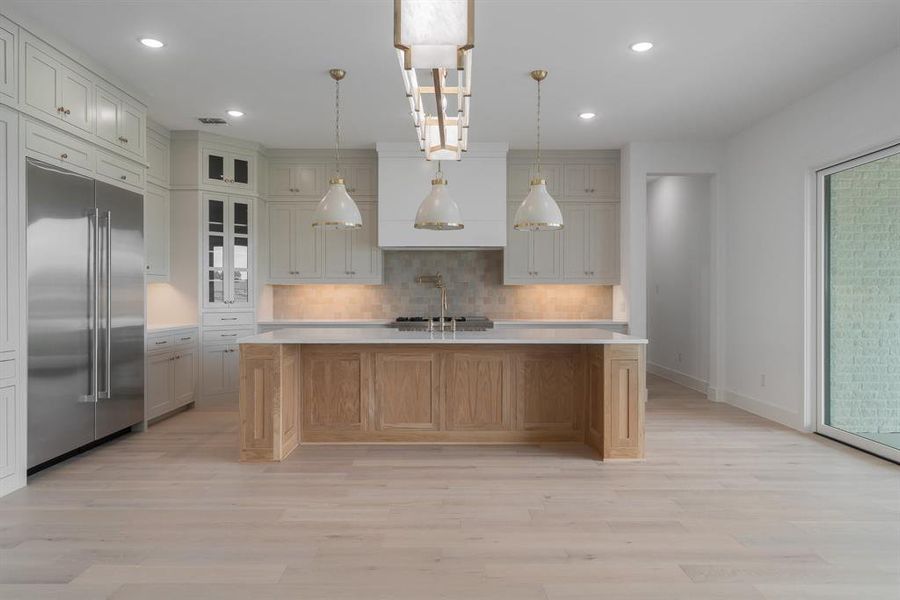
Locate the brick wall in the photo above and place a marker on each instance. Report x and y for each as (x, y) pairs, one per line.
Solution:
(865, 297)
(474, 287)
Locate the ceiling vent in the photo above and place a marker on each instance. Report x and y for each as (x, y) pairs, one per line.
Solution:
(213, 121)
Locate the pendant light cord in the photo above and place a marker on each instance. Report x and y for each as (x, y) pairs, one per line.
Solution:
(539, 129)
(337, 127)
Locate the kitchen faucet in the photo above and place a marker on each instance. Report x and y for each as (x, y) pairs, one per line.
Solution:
(438, 282)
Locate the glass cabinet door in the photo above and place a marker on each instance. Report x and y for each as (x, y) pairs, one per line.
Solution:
(240, 251)
(215, 293)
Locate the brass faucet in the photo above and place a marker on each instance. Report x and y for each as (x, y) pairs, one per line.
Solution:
(438, 282)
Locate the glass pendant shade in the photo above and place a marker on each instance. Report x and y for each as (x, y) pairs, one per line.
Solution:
(539, 211)
(337, 210)
(438, 210)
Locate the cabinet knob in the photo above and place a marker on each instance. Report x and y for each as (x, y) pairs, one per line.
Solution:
(123, 177)
(60, 109)
(68, 112)
(147, 267)
(64, 156)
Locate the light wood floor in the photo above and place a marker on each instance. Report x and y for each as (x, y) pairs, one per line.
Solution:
(726, 506)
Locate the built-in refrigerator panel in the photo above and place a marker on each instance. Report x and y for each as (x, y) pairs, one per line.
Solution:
(121, 218)
(59, 259)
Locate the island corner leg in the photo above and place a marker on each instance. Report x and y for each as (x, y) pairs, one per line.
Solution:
(617, 384)
(269, 401)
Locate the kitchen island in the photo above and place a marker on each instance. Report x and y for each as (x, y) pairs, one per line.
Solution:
(381, 385)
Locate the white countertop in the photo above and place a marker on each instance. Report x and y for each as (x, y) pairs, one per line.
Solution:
(167, 328)
(389, 335)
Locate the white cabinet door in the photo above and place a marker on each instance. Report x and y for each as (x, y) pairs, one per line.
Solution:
(158, 159)
(605, 181)
(364, 253)
(8, 81)
(360, 179)
(603, 223)
(9, 230)
(232, 370)
(337, 260)
(185, 376)
(576, 236)
(42, 78)
(307, 249)
(281, 241)
(215, 364)
(309, 180)
(240, 256)
(156, 230)
(159, 384)
(77, 100)
(241, 169)
(553, 175)
(545, 252)
(8, 462)
(281, 180)
(577, 181)
(132, 128)
(107, 114)
(518, 177)
(517, 254)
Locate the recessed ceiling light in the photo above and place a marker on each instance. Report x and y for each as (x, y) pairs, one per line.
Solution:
(152, 43)
(641, 46)
(587, 116)
(234, 113)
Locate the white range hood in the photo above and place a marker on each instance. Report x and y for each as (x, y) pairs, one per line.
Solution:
(477, 183)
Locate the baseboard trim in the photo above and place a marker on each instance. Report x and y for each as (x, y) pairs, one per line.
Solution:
(698, 385)
(765, 410)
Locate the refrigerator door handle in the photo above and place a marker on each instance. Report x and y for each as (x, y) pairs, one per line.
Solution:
(107, 370)
(94, 303)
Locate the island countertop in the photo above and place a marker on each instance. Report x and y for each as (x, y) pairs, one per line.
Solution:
(389, 335)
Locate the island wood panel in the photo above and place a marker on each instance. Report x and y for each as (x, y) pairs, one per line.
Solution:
(549, 383)
(477, 391)
(407, 390)
(444, 394)
(623, 406)
(336, 389)
(268, 401)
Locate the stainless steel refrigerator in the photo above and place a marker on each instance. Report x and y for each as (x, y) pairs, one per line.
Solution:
(85, 256)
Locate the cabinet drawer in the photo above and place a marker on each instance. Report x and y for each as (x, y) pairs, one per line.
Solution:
(184, 339)
(227, 335)
(58, 146)
(160, 342)
(120, 170)
(228, 319)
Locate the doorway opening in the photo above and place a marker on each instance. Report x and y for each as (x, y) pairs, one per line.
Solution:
(680, 244)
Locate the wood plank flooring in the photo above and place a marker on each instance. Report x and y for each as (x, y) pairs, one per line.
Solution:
(726, 506)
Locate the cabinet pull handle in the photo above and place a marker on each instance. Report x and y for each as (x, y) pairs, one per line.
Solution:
(184, 339)
(229, 318)
(229, 335)
(162, 343)
(64, 156)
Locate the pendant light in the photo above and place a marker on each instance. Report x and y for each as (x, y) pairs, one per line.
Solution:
(539, 211)
(438, 211)
(337, 210)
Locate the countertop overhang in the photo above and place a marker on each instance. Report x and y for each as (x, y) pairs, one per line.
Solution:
(389, 335)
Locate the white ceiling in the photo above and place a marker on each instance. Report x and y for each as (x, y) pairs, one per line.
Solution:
(717, 66)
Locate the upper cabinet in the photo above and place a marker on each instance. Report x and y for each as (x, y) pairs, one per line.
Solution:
(120, 122)
(227, 251)
(299, 253)
(156, 232)
(158, 158)
(594, 181)
(8, 80)
(519, 177)
(591, 242)
(227, 167)
(59, 91)
(309, 179)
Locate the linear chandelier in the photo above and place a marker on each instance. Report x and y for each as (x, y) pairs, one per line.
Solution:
(436, 38)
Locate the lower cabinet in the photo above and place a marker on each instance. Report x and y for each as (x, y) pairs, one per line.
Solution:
(172, 372)
(220, 369)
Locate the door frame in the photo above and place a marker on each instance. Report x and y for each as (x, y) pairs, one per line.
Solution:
(821, 310)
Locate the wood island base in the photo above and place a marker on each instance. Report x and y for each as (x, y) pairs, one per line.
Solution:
(343, 393)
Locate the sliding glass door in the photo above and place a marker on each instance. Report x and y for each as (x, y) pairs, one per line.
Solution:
(859, 301)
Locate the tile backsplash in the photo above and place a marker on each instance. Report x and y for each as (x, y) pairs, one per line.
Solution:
(474, 287)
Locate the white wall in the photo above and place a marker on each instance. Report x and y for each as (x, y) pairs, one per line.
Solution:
(640, 159)
(678, 277)
(767, 229)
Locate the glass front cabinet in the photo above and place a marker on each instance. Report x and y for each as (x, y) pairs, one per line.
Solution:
(227, 251)
(225, 167)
